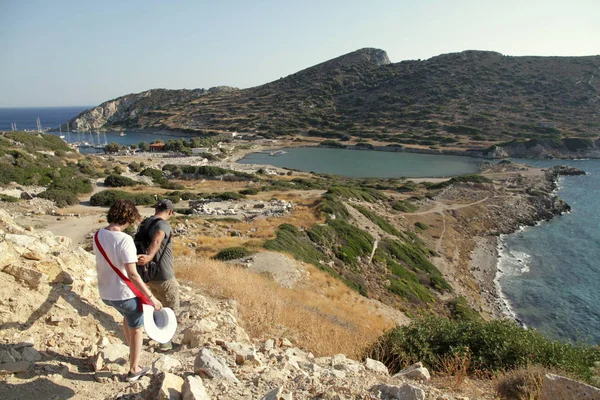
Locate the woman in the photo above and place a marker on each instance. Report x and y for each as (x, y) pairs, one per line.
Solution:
(120, 250)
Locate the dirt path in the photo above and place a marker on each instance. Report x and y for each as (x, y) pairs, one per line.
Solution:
(374, 249)
(440, 207)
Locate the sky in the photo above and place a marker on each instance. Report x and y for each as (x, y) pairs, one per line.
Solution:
(79, 53)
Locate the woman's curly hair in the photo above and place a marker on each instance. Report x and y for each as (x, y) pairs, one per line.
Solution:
(123, 212)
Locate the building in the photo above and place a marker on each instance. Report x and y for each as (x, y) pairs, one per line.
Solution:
(157, 147)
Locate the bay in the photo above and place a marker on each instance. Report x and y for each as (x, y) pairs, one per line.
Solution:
(367, 163)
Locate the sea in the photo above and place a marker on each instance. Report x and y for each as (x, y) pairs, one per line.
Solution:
(550, 273)
(52, 117)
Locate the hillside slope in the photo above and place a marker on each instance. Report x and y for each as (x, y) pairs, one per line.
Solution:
(451, 99)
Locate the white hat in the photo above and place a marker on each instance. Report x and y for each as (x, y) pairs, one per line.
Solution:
(160, 325)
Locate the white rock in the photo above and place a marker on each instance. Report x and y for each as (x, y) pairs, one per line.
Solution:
(194, 335)
(114, 352)
(557, 387)
(193, 389)
(171, 387)
(277, 394)
(376, 366)
(30, 354)
(21, 242)
(6, 357)
(416, 372)
(165, 364)
(404, 392)
(209, 366)
(244, 353)
(269, 345)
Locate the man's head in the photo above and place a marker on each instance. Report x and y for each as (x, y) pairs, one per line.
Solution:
(164, 208)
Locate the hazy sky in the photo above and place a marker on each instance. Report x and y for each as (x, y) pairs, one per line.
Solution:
(58, 53)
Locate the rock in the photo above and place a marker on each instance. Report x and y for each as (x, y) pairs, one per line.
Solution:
(557, 387)
(286, 343)
(171, 387)
(103, 376)
(32, 255)
(32, 277)
(54, 270)
(21, 242)
(194, 335)
(341, 363)
(376, 366)
(208, 366)
(115, 352)
(31, 355)
(27, 196)
(404, 392)
(6, 357)
(193, 389)
(14, 367)
(277, 394)
(7, 255)
(244, 353)
(97, 361)
(165, 364)
(269, 345)
(416, 372)
(15, 354)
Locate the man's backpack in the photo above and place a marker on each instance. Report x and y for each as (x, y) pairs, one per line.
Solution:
(142, 240)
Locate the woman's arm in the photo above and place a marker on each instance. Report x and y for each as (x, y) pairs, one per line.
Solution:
(139, 283)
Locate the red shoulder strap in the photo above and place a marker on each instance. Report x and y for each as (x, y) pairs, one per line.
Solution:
(134, 289)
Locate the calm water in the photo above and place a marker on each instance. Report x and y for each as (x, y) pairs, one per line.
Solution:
(551, 272)
(25, 118)
(365, 163)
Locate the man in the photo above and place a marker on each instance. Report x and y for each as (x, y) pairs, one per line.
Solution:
(163, 285)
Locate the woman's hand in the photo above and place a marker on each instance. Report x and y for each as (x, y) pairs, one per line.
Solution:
(156, 303)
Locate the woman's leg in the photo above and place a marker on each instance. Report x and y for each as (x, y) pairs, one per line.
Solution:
(135, 348)
(126, 332)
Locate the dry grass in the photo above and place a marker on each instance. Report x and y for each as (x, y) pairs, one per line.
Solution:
(522, 384)
(321, 315)
(456, 366)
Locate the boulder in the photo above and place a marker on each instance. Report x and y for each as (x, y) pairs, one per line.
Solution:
(6, 357)
(416, 372)
(165, 364)
(208, 366)
(27, 195)
(21, 242)
(193, 389)
(14, 367)
(171, 387)
(244, 353)
(277, 394)
(404, 392)
(557, 387)
(376, 366)
(32, 277)
(194, 335)
(269, 345)
(341, 363)
(115, 352)
(7, 255)
(30, 354)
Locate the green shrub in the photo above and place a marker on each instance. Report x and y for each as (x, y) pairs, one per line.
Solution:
(404, 206)
(249, 191)
(357, 193)
(172, 186)
(119, 181)
(472, 178)
(76, 185)
(232, 253)
(460, 310)
(379, 221)
(492, 346)
(422, 226)
(8, 199)
(61, 197)
(352, 242)
(107, 198)
(152, 172)
(33, 141)
(331, 205)
(227, 196)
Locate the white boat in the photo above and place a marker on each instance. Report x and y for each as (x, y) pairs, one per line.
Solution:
(122, 134)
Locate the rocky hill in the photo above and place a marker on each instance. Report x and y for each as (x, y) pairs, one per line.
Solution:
(466, 99)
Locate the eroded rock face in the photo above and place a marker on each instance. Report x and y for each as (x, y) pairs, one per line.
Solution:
(557, 387)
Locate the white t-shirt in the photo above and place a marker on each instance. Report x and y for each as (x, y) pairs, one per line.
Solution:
(120, 249)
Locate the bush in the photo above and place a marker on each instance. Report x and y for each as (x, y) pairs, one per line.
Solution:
(72, 184)
(107, 198)
(61, 197)
(232, 253)
(422, 226)
(493, 346)
(404, 206)
(8, 199)
(172, 186)
(249, 191)
(119, 181)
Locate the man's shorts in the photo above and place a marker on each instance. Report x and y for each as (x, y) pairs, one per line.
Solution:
(130, 310)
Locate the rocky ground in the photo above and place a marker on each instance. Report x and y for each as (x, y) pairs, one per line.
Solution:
(60, 340)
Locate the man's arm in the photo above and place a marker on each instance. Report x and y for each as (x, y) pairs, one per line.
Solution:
(153, 248)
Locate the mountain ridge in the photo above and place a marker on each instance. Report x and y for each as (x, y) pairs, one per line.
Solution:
(452, 99)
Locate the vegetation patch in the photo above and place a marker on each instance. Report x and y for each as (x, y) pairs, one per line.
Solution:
(405, 206)
(8, 199)
(421, 226)
(232, 253)
(330, 205)
(115, 180)
(107, 198)
(379, 221)
(472, 178)
(492, 346)
(352, 242)
(358, 193)
(61, 197)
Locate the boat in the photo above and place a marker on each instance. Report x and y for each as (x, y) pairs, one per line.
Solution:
(278, 153)
(122, 134)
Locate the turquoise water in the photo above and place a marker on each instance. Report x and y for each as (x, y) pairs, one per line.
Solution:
(368, 163)
(551, 272)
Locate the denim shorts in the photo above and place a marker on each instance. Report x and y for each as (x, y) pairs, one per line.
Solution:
(129, 309)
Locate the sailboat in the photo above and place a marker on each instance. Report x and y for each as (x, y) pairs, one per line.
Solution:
(60, 135)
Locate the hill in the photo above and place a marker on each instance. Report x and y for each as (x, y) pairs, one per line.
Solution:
(467, 99)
